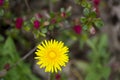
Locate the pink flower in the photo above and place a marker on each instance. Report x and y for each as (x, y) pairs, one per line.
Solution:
(19, 22)
(38, 16)
(36, 24)
(77, 29)
(96, 2)
(63, 14)
(92, 30)
(1, 2)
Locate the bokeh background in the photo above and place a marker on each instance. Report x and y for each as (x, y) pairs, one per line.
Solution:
(90, 28)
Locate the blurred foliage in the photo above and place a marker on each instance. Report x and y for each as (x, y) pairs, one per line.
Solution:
(9, 55)
(53, 25)
(99, 57)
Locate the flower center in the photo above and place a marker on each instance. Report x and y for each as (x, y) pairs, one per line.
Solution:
(52, 54)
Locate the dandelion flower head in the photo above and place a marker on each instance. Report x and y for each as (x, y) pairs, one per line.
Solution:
(52, 55)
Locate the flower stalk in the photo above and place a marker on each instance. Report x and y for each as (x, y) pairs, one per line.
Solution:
(52, 76)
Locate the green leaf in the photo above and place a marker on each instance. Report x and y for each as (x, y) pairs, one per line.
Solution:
(27, 28)
(51, 27)
(98, 23)
(86, 12)
(62, 9)
(83, 19)
(10, 49)
(92, 76)
(84, 3)
(1, 38)
(1, 12)
(54, 1)
(69, 9)
(36, 33)
(8, 15)
(44, 30)
(93, 14)
(106, 72)
(42, 34)
(90, 43)
(89, 5)
(81, 65)
(32, 19)
(102, 43)
(85, 27)
(52, 14)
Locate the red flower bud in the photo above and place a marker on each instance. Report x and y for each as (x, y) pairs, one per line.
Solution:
(19, 22)
(63, 14)
(57, 76)
(7, 66)
(53, 21)
(36, 24)
(96, 2)
(1, 2)
(40, 16)
(77, 29)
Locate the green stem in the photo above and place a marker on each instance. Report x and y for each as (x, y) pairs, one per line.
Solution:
(52, 76)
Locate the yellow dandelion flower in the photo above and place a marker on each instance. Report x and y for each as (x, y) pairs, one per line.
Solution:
(51, 55)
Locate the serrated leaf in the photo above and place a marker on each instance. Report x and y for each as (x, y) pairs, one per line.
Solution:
(89, 5)
(83, 3)
(93, 14)
(98, 23)
(83, 19)
(85, 27)
(86, 12)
